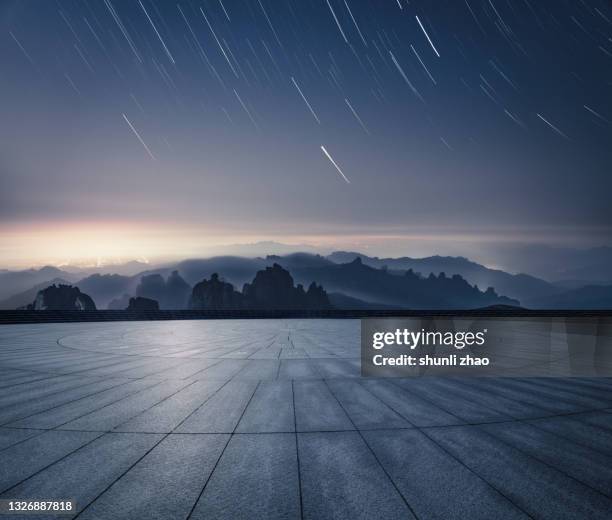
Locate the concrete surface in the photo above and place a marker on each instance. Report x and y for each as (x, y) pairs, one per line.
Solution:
(271, 419)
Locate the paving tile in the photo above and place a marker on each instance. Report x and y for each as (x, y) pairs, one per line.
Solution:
(462, 407)
(27, 458)
(270, 409)
(341, 478)
(410, 406)
(502, 405)
(316, 408)
(165, 484)
(503, 387)
(9, 436)
(87, 472)
(415, 465)
(32, 406)
(113, 415)
(259, 369)
(169, 413)
(337, 368)
(41, 388)
(587, 429)
(221, 413)
(582, 463)
(224, 370)
(364, 409)
(536, 488)
(298, 369)
(256, 477)
(65, 413)
(567, 395)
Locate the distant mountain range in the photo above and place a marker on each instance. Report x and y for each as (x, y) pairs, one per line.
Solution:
(519, 286)
(408, 290)
(14, 282)
(371, 282)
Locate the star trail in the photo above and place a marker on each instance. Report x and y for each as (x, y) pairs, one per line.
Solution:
(189, 105)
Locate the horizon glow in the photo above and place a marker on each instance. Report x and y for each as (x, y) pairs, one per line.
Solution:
(145, 130)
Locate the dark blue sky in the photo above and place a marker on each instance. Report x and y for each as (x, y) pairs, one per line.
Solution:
(153, 128)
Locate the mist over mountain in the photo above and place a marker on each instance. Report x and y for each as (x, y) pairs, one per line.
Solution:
(105, 287)
(130, 268)
(411, 291)
(588, 297)
(171, 293)
(519, 286)
(342, 301)
(13, 282)
(374, 283)
(557, 263)
(239, 270)
(120, 303)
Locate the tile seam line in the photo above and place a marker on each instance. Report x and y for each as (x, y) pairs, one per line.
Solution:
(297, 451)
(164, 436)
(7, 425)
(5, 491)
(547, 464)
(19, 404)
(231, 436)
(444, 450)
(400, 494)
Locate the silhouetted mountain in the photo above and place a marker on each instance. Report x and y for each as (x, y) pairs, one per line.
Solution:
(151, 286)
(517, 286)
(172, 293)
(127, 269)
(62, 298)
(272, 288)
(26, 297)
(105, 287)
(410, 290)
(169, 285)
(14, 282)
(177, 292)
(238, 270)
(215, 294)
(589, 297)
(142, 304)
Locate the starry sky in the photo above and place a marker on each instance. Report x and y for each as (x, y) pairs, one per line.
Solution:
(150, 128)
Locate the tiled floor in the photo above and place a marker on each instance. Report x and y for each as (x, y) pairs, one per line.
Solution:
(271, 419)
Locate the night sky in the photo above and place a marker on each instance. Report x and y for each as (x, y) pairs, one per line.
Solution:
(140, 128)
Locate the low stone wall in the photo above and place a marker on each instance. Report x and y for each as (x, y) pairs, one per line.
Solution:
(22, 316)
